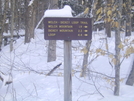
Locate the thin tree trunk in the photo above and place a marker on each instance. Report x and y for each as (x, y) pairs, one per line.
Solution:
(6, 8)
(52, 43)
(51, 51)
(94, 12)
(17, 17)
(87, 48)
(2, 19)
(1, 33)
(12, 24)
(31, 21)
(22, 13)
(108, 18)
(34, 16)
(27, 37)
(117, 49)
(85, 59)
(40, 12)
(128, 17)
(117, 63)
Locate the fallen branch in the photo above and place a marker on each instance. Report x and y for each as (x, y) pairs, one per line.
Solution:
(48, 74)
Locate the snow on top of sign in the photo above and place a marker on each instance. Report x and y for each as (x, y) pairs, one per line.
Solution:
(65, 12)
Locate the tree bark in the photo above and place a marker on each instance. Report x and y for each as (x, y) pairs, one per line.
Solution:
(2, 19)
(51, 51)
(40, 12)
(31, 21)
(52, 43)
(17, 16)
(85, 59)
(6, 9)
(128, 17)
(12, 24)
(117, 49)
(108, 18)
(94, 12)
(27, 37)
(1, 33)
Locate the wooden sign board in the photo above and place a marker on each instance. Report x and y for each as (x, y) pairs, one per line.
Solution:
(68, 28)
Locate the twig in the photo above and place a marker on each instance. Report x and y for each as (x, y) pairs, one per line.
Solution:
(97, 88)
(98, 73)
(48, 74)
(102, 74)
(35, 89)
(83, 80)
(85, 95)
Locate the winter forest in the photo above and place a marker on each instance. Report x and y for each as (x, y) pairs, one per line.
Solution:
(32, 68)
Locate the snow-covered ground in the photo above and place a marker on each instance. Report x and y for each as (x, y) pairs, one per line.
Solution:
(27, 65)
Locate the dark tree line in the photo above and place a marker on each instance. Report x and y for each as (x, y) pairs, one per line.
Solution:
(27, 16)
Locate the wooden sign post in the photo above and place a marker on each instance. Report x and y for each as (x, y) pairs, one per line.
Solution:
(67, 71)
(68, 29)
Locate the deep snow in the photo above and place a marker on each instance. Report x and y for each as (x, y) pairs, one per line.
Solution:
(28, 66)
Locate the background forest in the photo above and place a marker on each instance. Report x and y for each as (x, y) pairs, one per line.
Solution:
(16, 15)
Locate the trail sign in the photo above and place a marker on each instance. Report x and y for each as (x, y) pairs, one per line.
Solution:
(67, 28)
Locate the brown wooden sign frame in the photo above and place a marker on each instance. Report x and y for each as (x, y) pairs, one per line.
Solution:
(64, 28)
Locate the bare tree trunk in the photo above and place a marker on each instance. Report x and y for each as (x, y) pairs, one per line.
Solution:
(27, 37)
(117, 63)
(17, 17)
(22, 13)
(117, 49)
(51, 51)
(34, 16)
(12, 24)
(87, 48)
(94, 12)
(108, 18)
(2, 19)
(31, 21)
(85, 59)
(1, 33)
(130, 80)
(40, 12)
(128, 17)
(52, 43)
(5, 23)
